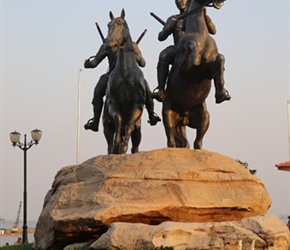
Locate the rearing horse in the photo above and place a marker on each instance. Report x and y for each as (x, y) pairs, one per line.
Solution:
(197, 62)
(125, 95)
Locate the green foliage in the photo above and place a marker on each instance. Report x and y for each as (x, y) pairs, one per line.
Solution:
(29, 247)
(17, 247)
(158, 248)
(164, 248)
(211, 245)
(246, 165)
(86, 247)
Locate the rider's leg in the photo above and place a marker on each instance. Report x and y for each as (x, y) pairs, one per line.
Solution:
(166, 57)
(221, 93)
(149, 103)
(99, 93)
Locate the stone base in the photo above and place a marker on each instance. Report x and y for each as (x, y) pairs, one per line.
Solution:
(258, 232)
(180, 185)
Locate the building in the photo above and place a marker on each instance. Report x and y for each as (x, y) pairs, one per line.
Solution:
(284, 166)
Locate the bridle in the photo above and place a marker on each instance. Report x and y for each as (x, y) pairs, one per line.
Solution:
(128, 48)
(217, 4)
(210, 3)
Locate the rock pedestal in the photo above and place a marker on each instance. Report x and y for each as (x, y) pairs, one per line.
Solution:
(176, 185)
(262, 231)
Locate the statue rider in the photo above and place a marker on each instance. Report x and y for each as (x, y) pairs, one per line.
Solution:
(100, 89)
(175, 26)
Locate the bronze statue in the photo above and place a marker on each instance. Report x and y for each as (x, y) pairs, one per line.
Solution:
(101, 86)
(196, 62)
(127, 90)
(175, 26)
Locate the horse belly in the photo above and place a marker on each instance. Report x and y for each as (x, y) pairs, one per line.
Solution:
(134, 90)
(189, 94)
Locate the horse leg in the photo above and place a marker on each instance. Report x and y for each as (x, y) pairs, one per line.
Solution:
(181, 138)
(170, 120)
(117, 140)
(219, 81)
(108, 128)
(109, 135)
(136, 115)
(199, 119)
(136, 137)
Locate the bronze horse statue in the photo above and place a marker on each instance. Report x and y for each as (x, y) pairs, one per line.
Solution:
(125, 94)
(197, 63)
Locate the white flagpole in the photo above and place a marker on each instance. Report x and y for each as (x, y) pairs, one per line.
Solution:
(79, 115)
(288, 118)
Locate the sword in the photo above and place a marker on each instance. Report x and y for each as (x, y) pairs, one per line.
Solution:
(100, 32)
(102, 37)
(157, 18)
(141, 36)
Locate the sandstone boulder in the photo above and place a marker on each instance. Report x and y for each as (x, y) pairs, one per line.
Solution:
(261, 232)
(180, 185)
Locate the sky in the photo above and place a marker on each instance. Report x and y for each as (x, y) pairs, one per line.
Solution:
(43, 45)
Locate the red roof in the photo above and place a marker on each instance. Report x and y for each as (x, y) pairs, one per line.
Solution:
(283, 166)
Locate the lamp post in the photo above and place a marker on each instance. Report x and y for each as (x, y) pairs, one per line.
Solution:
(15, 139)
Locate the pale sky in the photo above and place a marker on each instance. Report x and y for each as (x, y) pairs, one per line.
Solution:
(44, 44)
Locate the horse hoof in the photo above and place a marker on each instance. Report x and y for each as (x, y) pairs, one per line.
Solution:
(197, 145)
(134, 150)
(115, 151)
(124, 149)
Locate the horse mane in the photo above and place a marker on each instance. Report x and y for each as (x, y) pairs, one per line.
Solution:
(195, 21)
(130, 40)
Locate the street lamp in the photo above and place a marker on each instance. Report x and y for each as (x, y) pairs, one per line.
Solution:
(15, 139)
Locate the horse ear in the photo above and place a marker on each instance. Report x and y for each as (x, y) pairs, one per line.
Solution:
(111, 15)
(123, 13)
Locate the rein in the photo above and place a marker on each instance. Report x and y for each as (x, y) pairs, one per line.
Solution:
(130, 48)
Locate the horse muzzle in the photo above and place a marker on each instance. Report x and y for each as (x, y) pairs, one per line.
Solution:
(218, 3)
(195, 54)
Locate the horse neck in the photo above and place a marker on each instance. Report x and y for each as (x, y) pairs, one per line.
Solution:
(126, 55)
(195, 21)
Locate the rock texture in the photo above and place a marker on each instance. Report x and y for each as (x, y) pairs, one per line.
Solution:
(267, 232)
(180, 185)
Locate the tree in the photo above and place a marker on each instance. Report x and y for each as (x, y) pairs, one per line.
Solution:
(246, 165)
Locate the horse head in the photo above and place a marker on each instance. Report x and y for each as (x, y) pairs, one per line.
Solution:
(218, 3)
(118, 31)
(193, 46)
(195, 4)
(210, 3)
(189, 54)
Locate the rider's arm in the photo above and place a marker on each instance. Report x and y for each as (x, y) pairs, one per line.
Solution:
(167, 29)
(100, 56)
(139, 58)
